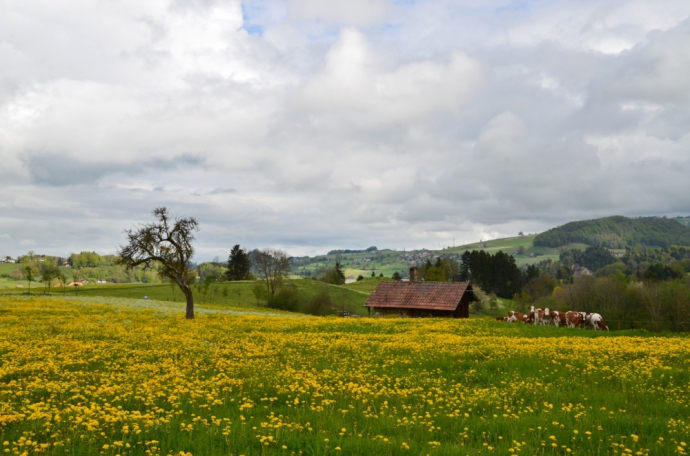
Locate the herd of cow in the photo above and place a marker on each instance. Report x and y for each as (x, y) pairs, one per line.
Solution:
(546, 317)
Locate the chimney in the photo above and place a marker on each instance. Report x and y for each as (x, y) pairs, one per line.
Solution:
(413, 274)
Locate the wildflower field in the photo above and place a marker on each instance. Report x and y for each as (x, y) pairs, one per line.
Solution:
(83, 377)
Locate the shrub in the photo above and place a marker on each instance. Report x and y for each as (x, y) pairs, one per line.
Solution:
(286, 298)
(260, 291)
(319, 304)
(334, 277)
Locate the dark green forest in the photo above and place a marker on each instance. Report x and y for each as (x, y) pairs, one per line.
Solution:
(618, 232)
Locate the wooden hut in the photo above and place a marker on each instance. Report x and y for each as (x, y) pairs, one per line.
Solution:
(422, 299)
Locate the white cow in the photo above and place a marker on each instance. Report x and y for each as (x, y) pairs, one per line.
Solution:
(596, 322)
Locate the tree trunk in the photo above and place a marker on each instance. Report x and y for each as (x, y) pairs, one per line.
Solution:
(190, 301)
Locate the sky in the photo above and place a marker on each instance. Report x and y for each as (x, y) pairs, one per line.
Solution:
(309, 125)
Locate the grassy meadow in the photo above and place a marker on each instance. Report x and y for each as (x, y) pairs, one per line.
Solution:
(5, 280)
(221, 294)
(91, 376)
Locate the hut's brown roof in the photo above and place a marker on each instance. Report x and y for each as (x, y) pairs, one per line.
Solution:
(419, 295)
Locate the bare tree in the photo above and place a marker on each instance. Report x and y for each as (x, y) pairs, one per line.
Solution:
(273, 266)
(168, 243)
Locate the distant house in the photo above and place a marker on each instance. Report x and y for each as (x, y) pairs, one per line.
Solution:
(422, 299)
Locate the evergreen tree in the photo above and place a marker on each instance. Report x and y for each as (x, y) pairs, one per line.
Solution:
(492, 273)
(466, 259)
(239, 264)
(530, 272)
(435, 274)
(396, 276)
(339, 271)
(334, 275)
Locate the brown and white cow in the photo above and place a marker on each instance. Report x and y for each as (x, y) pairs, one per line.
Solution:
(515, 316)
(574, 319)
(596, 322)
(540, 317)
(558, 318)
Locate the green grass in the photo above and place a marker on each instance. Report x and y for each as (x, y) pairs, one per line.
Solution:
(6, 282)
(238, 294)
(6, 268)
(367, 285)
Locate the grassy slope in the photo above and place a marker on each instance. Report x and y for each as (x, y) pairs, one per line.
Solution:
(237, 294)
(368, 285)
(6, 268)
(6, 282)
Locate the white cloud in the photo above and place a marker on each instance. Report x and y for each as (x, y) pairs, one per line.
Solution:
(352, 12)
(358, 83)
(609, 27)
(312, 125)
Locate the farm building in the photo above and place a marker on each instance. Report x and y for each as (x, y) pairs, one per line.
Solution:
(422, 299)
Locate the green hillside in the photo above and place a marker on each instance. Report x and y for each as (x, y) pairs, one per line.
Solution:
(235, 294)
(617, 232)
(366, 286)
(356, 263)
(685, 221)
(521, 247)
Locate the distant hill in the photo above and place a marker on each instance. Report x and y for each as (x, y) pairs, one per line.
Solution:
(683, 221)
(618, 232)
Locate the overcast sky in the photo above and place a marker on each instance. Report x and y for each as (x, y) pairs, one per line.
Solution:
(316, 124)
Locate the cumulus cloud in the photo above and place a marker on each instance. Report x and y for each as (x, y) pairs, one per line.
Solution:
(311, 125)
(355, 83)
(353, 12)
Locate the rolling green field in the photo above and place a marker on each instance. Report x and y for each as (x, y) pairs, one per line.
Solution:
(5, 281)
(237, 294)
(129, 377)
(386, 263)
(366, 286)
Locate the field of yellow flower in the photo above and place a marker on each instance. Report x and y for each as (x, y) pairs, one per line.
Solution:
(84, 378)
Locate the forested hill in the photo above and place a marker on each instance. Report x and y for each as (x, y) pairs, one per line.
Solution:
(617, 232)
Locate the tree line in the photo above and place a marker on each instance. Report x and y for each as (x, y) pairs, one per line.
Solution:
(643, 288)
